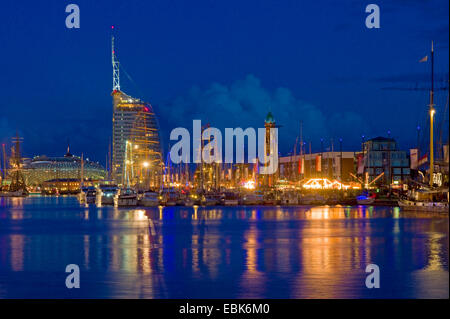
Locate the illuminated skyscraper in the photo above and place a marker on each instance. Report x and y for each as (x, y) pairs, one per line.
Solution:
(134, 122)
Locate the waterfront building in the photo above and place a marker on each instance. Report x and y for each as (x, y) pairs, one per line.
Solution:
(61, 186)
(135, 123)
(42, 168)
(381, 155)
(332, 165)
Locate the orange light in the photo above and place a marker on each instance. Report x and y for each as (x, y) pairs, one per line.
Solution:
(324, 183)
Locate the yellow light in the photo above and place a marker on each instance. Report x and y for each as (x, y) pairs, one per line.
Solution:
(432, 111)
(249, 185)
(145, 164)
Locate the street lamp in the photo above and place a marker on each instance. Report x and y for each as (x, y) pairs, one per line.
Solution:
(340, 162)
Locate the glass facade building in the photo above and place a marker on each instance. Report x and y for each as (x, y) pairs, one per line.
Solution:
(135, 122)
(42, 168)
(382, 155)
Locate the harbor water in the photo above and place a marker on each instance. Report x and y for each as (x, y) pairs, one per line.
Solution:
(219, 252)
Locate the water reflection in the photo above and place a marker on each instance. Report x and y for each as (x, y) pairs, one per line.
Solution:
(221, 252)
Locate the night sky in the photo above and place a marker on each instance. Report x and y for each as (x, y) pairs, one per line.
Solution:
(224, 62)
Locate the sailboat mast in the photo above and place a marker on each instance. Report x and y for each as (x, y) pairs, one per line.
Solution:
(4, 163)
(432, 111)
(82, 172)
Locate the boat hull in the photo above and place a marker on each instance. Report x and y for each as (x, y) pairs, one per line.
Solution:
(127, 202)
(18, 193)
(107, 200)
(90, 200)
(148, 202)
(441, 207)
(367, 201)
(230, 202)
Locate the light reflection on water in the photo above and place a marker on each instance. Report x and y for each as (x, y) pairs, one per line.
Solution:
(219, 252)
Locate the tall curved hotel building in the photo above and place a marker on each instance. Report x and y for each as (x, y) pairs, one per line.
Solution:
(136, 153)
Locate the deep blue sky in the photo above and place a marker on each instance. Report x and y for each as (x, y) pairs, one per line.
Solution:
(225, 62)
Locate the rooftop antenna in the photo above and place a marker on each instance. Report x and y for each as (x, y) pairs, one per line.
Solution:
(115, 65)
(68, 148)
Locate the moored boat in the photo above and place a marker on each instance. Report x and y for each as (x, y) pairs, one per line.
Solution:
(149, 199)
(18, 193)
(312, 199)
(125, 197)
(211, 199)
(252, 199)
(105, 194)
(365, 198)
(169, 197)
(87, 195)
(230, 199)
(289, 198)
(188, 201)
(441, 207)
(433, 200)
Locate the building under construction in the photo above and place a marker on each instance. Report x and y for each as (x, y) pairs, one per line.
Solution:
(136, 153)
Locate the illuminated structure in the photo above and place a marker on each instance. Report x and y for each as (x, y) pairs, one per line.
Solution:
(324, 183)
(61, 186)
(17, 179)
(269, 124)
(42, 169)
(134, 121)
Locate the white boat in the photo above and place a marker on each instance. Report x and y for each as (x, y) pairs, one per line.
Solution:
(149, 199)
(189, 202)
(441, 207)
(125, 197)
(169, 197)
(87, 195)
(81, 196)
(105, 194)
(252, 199)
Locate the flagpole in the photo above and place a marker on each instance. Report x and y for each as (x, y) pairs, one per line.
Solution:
(432, 111)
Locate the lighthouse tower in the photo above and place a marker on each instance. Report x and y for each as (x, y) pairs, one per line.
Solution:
(269, 124)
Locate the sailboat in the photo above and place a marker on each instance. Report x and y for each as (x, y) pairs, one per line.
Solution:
(428, 198)
(17, 188)
(82, 195)
(126, 196)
